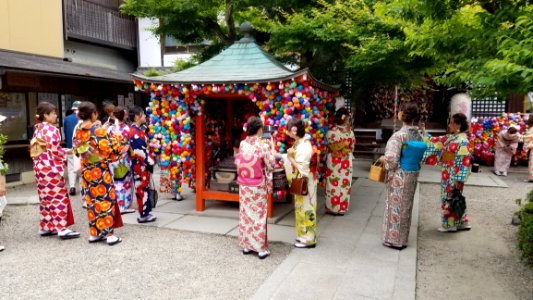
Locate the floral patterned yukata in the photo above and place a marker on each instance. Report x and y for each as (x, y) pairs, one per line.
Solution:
(505, 149)
(452, 153)
(253, 193)
(142, 161)
(400, 188)
(341, 143)
(304, 206)
(55, 208)
(97, 150)
(122, 185)
(528, 145)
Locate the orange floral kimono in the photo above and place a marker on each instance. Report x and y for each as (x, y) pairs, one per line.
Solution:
(96, 150)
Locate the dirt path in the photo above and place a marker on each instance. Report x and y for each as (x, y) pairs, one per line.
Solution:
(482, 263)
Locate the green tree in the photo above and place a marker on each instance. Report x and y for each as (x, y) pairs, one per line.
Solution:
(482, 46)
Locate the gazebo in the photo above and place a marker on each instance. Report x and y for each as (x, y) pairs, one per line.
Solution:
(193, 109)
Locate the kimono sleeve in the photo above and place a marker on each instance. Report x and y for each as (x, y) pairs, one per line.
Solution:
(53, 140)
(434, 148)
(462, 162)
(269, 161)
(393, 151)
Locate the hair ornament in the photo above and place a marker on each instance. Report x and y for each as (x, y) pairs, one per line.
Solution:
(245, 127)
(343, 117)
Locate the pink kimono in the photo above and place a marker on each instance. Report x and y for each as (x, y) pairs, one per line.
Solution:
(505, 149)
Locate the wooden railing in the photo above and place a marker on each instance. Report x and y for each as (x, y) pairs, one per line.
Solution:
(85, 20)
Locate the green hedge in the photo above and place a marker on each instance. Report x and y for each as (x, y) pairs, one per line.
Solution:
(525, 231)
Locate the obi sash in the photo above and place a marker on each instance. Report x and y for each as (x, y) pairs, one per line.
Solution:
(412, 153)
(249, 169)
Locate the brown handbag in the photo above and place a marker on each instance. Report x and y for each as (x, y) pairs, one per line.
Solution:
(299, 185)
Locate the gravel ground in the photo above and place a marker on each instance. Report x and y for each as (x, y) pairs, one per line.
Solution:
(479, 264)
(150, 263)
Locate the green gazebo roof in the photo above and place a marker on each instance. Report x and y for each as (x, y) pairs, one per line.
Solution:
(242, 62)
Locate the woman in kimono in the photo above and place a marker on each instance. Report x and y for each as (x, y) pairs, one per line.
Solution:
(298, 163)
(120, 169)
(49, 163)
(341, 142)
(452, 153)
(142, 161)
(505, 149)
(403, 154)
(97, 150)
(528, 145)
(255, 164)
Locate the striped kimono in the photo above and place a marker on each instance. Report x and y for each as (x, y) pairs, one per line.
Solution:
(452, 153)
(122, 185)
(304, 206)
(400, 189)
(341, 142)
(142, 161)
(253, 192)
(97, 150)
(49, 167)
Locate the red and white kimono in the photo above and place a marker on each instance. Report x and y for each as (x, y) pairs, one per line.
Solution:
(255, 164)
(49, 167)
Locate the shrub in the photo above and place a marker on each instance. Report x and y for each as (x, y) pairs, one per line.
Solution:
(525, 231)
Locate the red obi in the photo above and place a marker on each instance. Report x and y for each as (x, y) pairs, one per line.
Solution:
(249, 169)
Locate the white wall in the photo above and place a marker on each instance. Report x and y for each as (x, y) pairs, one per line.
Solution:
(149, 46)
(88, 54)
(170, 59)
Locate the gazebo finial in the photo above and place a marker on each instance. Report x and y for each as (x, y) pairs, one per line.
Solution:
(247, 29)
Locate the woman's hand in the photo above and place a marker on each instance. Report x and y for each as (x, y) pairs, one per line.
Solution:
(381, 159)
(3, 190)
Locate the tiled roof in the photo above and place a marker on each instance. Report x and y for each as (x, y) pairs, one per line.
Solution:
(56, 66)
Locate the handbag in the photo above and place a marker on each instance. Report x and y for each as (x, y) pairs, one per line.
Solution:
(457, 203)
(152, 194)
(377, 172)
(299, 185)
(121, 171)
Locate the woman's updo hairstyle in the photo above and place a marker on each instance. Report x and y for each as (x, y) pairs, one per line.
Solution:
(136, 111)
(299, 124)
(44, 108)
(409, 112)
(119, 113)
(253, 125)
(86, 110)
(340, 115)
(460, 119)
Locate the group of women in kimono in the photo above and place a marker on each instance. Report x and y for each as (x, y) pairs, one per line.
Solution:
(108, 154)
(404, 153)
(255, 163)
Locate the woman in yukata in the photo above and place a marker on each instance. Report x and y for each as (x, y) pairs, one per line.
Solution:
(452, 152)
(300, 160)
(341, 142)
(97, 150)
(49, 166)
(142, 161)
(505, 149)
(121, 169)
(255, 163)
(528, 145)
(403, 154)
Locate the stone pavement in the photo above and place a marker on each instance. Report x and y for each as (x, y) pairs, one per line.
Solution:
(349, 261)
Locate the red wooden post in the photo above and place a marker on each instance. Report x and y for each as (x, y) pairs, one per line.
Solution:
(200, 163)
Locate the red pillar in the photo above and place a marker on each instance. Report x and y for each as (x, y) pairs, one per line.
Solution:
(200, 162)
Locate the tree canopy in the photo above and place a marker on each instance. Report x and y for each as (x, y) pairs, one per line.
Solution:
(482, 46)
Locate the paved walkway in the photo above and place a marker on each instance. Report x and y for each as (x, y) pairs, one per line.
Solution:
(349, 261)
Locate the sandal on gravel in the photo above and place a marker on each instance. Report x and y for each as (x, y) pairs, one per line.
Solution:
(70, 235)
(147, 219)
(246, 251)
(2, 248)
(263, 254)
(47, 233)
(118, 240)
(127, 211)
(96, 240)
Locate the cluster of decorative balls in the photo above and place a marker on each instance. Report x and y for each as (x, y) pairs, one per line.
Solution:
(172, 106)
(485, 135)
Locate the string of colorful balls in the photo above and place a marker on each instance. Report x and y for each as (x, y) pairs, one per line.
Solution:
(172, 107)
(485, 136)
